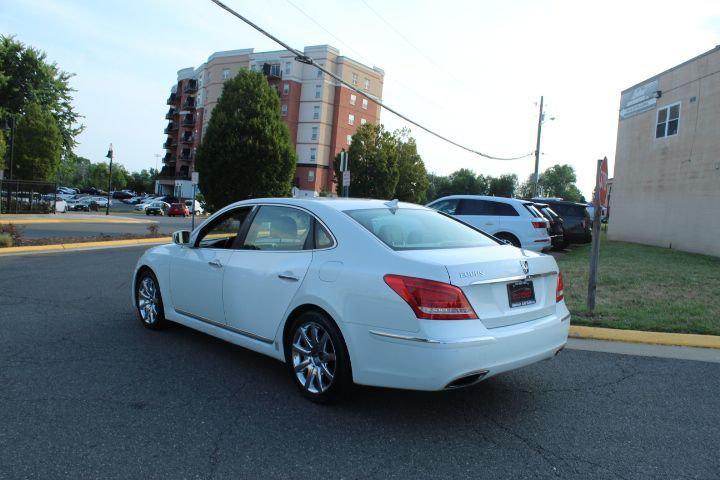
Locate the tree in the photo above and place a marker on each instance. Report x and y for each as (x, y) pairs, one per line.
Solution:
(525, 190)
(38, 145)
(465, 182)
(559, 181)
(413, 178)
(373, 160)
(142, 181)
(503, 186)
(26, 78)
(73, 171)
(438, 186)
(3, 149)
(246, 151)
(99, 172)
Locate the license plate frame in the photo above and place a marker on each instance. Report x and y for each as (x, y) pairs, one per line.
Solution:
(521, 293)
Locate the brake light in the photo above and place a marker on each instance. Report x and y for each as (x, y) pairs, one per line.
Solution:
(432, 300)
(560, 289)
(539, 224)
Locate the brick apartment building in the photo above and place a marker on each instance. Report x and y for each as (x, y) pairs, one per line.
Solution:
(321, 114)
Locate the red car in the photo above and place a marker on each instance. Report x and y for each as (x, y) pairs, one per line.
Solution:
(179, 209)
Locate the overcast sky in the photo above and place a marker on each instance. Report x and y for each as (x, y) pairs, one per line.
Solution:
(473, 70)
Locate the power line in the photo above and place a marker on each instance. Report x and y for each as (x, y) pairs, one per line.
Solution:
(302, 58)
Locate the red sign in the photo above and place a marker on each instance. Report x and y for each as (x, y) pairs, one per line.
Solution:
(602, 182)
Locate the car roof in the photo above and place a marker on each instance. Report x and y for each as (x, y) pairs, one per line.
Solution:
(339, 204)
(491, 198)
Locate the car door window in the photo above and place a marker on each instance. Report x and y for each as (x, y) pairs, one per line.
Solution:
(322, 237)
(446, 206)
(504, 210)
(476, 207)
(278, 228)
(222, 232)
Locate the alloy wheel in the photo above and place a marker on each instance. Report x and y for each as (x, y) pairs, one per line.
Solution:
(148, 300)
(313, 357)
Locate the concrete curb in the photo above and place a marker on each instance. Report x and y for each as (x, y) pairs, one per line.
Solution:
(61, 247)
(652, 338)
(74, 220)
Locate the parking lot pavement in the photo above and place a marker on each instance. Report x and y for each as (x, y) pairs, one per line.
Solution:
(87, 392)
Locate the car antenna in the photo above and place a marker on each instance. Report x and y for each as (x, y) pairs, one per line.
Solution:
(392, 205)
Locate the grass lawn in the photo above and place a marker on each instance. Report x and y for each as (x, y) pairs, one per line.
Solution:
(645, 288)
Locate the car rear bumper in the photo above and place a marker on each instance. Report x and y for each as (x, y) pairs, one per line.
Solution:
(417, 362)
(538, 244)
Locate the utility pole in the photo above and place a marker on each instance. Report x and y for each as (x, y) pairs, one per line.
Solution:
(537, 150)
(157, 156)
(109, 155)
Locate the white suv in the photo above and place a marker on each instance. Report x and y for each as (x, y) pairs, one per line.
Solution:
(511, 219)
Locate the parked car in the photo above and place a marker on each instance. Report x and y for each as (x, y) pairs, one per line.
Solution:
(61, 206)
(576, 220)
(510, 219)
(121, 195)
(102, 201)
(87, 204)
(198, 208)
(556, 229)
(178, 209)
(415, 298)
(157, 208)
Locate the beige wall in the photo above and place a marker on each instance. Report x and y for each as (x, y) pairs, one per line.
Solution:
(666, 191)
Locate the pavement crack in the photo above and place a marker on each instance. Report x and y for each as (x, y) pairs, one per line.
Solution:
(217, 443)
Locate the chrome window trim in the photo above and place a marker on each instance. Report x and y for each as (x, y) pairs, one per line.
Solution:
(226, 327)
(514, 278)
(432, 341)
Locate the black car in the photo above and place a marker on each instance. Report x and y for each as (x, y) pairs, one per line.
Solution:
(556, 228)
(576, 220)
(157, 208)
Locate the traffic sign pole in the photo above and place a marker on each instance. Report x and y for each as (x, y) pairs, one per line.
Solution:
(195, 176)
(601, 178)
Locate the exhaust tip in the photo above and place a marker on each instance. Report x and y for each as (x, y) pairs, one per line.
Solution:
(467, 380)
(559, 350)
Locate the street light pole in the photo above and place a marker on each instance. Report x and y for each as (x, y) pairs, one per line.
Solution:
(109, 155)
(537, 150)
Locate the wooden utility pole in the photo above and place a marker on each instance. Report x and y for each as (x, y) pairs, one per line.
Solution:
(537, 150)
(598, 199)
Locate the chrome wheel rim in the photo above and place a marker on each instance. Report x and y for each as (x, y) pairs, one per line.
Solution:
(148, 300)
(313, 356)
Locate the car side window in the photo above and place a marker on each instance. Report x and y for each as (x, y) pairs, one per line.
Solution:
(476, 207)
(446, 206)
(322, 236)
(278, 228)
(222, 231)
(505, 210)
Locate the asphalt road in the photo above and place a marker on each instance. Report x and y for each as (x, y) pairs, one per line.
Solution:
(87, 392)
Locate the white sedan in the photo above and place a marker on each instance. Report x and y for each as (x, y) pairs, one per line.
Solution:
(358, 291)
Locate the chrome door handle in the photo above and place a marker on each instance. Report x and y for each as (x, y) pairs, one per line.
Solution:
(215, 263)
(288, 277)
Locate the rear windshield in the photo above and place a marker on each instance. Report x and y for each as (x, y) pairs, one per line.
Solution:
(567, 210)
(415, 229)
(533, 211)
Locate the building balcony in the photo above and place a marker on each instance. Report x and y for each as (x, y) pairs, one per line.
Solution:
(272, 70)
(172, 99)
(169, 143)
(170, 127)
(188, 120)
(191, 86)
(170, 113)
(189, 103)
(169, 158)
(188, 138)
(186, 155)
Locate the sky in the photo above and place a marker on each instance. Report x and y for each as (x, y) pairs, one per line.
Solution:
(473, 70)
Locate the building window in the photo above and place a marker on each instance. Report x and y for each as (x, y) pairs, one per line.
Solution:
(311, 175)
(316, 112)
(314, 135)
(318, 91)
(286, 88)
(313, 154)
(365, 103)
(353, 99)
(351, 119)
(668, 121)
(253, 67)
(226, 73)
(363, 121)
(354, 78)
(288, 68)
(348, 139)
(367, 84)
(284, 110)
(319, 72)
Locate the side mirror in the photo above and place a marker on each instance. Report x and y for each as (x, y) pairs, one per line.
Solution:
(181, 237)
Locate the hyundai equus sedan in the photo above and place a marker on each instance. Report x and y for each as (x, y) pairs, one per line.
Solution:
(350, 291)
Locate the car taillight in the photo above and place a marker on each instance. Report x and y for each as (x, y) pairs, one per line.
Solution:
(560, 289)
(539, 224)
(432, 300)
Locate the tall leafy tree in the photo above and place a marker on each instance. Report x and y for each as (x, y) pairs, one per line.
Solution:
(373, 163)
(27, 78)
(37, 145)
(246, 151)
(465, 182)
(438, 186)
(99, 173)
(559, 181)
(503, 186)
(3, 149)
(413, 179)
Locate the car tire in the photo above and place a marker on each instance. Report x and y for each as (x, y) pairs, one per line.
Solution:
(510, 238)
(148, 300)
(317, 358)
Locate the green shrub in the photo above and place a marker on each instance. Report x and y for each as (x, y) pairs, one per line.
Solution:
(5, 240)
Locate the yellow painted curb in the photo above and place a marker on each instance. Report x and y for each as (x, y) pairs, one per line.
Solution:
(83, 245)
(74, 220)
(653, 338)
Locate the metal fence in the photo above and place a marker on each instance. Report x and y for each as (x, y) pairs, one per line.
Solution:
(27, 196)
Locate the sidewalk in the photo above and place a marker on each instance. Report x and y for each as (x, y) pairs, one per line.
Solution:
(70, 218)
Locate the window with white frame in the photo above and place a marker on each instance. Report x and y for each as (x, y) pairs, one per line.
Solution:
(313, 154)
(284, 110)
(288, 68)
(363, 121)
(320, 73)
(353, 99)
(351, 119)
(286, 88)
(365, 103)
(314, 135)
(348, 139)
(367, 84)
(668, 121)
(226, 73)
(311, 175)
(318, 91)
(316, 112)
(354, 78)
